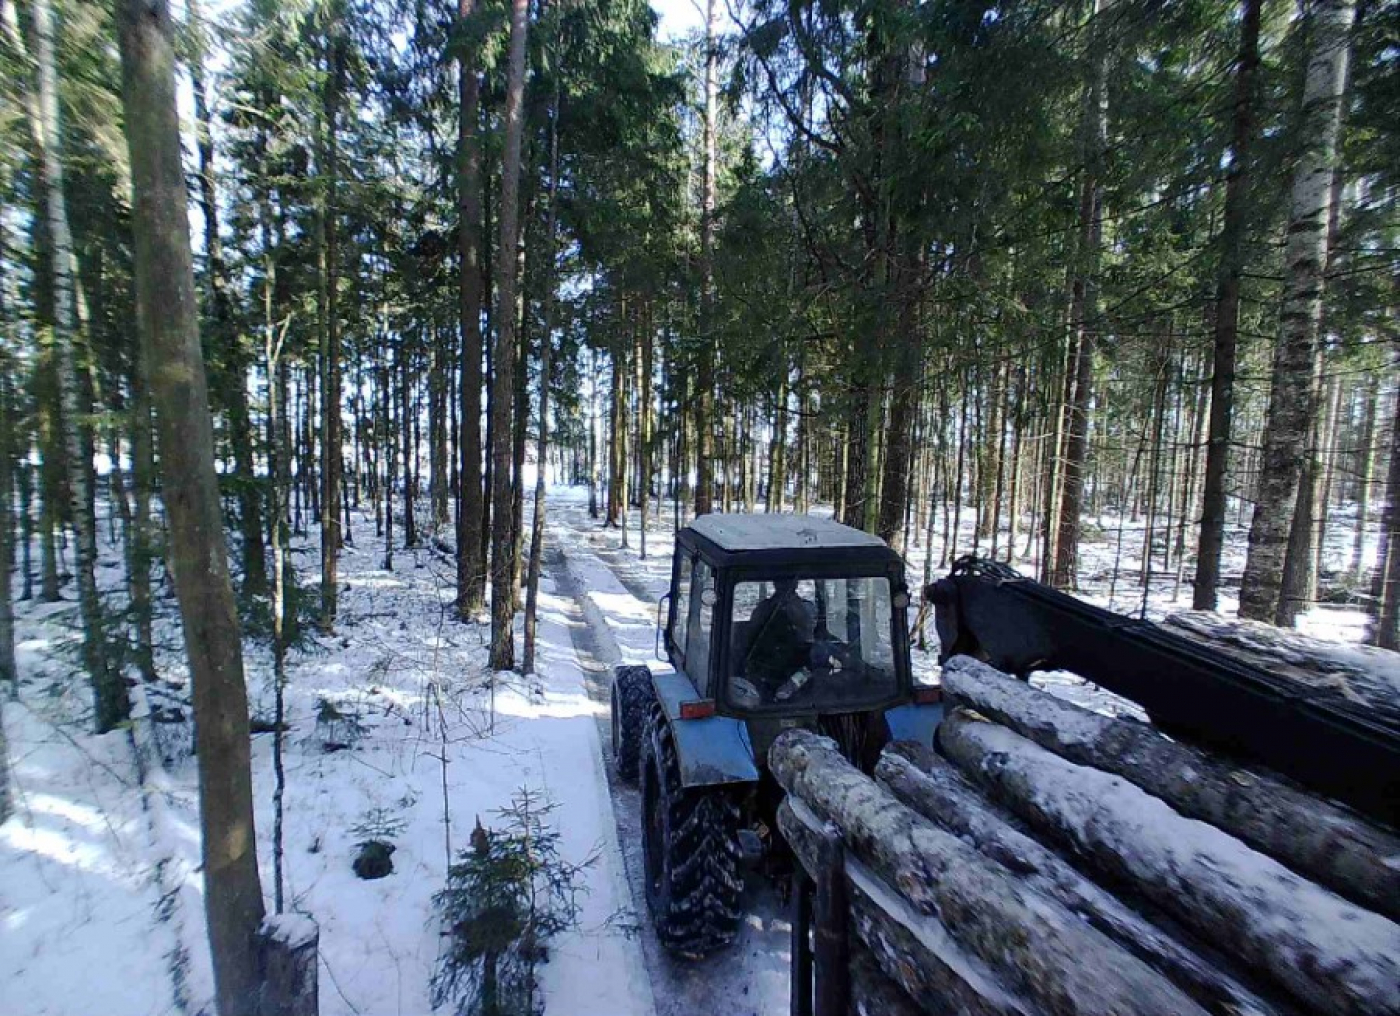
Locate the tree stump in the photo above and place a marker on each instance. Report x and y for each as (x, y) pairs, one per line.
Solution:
(289, 950)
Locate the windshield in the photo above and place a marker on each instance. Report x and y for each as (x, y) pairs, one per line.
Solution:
(811, 644)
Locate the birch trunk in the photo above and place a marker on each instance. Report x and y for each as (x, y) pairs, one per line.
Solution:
(109, 694)
(1292, 398)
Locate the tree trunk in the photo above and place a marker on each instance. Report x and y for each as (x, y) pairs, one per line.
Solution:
(1385, 623)
(1292, 399)
(550, 256)
(471, 565)
(1299, 576)
(221, 315)
(169, 329)
(895, 489)
(705, 382)
(1332, 955)
(1083, 319)
(1370, 407)
(330, 329)
(9, 675)
(109, 694)
(503, 383)
(1229, 273)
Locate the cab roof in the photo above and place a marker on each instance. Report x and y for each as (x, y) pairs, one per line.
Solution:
(738, 533)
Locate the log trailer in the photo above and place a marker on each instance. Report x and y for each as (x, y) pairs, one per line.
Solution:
(791, 707)
(1246, 691)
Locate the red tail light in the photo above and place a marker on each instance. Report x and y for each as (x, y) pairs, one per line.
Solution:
(927, 694)
(700, 709)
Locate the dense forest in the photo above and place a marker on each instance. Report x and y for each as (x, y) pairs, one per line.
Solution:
(993, 278)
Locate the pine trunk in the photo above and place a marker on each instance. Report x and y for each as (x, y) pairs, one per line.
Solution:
(503, 383)
(169, 329)
(471, 565)
(1083, 323)
(330, 331)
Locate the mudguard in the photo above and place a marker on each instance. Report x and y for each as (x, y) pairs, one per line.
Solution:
(913, 722)
(712, 751)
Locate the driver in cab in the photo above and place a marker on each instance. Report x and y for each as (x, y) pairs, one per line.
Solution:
(783, 630)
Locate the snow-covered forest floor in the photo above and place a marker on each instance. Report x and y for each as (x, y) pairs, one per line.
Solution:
(397, 731)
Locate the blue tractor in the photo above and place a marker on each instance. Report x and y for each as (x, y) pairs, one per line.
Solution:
(771, 622)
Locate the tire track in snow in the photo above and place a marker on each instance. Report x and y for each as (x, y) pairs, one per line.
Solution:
(750, 978)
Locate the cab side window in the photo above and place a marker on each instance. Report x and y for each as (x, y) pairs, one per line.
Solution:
(702, 621)
(681, 607)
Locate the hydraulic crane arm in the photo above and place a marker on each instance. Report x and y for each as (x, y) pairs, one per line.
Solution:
(1310, 731)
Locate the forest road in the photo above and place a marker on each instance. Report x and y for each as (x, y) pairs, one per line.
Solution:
(750, 977)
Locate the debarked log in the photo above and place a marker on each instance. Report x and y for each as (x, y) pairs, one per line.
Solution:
(1326, 842)
(933, 788)
(1037, 948)
(1329, 953)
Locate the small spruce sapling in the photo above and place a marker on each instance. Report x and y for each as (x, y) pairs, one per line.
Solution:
(506, 897)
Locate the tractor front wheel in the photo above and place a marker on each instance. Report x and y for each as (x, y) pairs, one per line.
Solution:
(691, 851)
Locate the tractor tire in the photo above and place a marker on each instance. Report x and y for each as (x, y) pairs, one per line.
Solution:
(632, 696)
(691, 851)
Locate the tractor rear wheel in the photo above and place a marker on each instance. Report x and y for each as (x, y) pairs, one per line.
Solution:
(632, 696)
(691, 851)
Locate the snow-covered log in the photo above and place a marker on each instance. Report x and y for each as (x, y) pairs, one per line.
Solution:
(1037, 948)
(913, 950)
(1328, 843)
(933, 788)
(1362, 675)
(872, 992)
(1332, 955)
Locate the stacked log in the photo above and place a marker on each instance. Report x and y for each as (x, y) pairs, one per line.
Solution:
(932, 787)
(1326, 842)
(961, 905)
(1050, 860)
(1239, 857)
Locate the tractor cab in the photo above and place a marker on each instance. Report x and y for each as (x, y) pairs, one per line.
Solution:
(771, 622)
(787, 615)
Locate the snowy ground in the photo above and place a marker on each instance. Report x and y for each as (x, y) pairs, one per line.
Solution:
(99, 886)
(434, 743)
